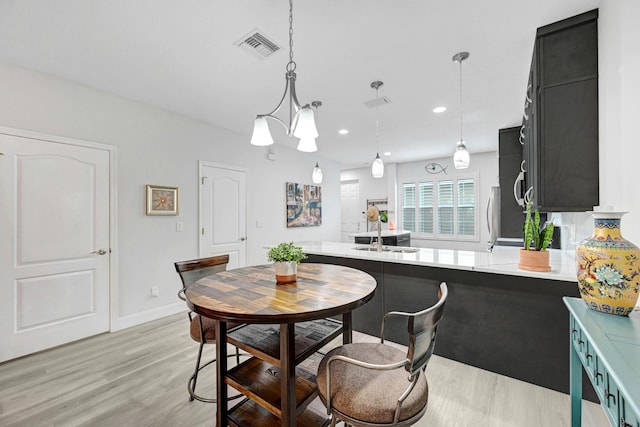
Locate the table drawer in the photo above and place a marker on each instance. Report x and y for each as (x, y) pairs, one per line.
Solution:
(598, 377)
(584, 348)
(611, 399)
(627, 417)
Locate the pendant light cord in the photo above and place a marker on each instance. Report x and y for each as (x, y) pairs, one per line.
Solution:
(377, 125)
(460, 61)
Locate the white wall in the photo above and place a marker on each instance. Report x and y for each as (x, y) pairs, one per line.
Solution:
(485, 165)
(159, 147)
(619, 90)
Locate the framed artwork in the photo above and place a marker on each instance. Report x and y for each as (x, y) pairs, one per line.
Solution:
(304, 205)
(162, 200)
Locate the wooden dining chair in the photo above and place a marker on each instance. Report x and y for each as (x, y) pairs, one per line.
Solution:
(374, 384)
(202, 329)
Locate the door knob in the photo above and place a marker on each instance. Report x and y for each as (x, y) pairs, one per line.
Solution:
(242, 239)
(99, 252)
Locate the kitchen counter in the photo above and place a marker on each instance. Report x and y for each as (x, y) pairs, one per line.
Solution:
(503, 260)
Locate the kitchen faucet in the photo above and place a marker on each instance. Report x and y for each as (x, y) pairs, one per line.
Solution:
(379, 244)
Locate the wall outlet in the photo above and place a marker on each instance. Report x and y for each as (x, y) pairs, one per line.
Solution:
(155, 291)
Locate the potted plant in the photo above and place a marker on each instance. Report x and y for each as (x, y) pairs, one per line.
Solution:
(534, 256)
(286, 257)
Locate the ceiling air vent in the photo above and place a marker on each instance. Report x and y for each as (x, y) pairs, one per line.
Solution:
(378, 101)
(258, 44)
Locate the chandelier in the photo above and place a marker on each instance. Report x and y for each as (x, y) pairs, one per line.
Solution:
(301, 123)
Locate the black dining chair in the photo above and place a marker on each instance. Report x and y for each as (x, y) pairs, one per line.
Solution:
(202, 329)
(375, 384)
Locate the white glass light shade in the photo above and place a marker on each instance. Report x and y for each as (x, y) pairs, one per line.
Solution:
(377, 167)
(316, 175)
(461, 157)
(308, 145)
(261, 135)
(305, 125)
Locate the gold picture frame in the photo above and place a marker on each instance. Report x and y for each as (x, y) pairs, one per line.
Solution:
(162, 200)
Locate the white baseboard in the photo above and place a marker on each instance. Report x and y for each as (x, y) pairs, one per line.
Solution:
(125, 322)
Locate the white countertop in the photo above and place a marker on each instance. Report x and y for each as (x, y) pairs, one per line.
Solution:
(383, 233)
(503, 260)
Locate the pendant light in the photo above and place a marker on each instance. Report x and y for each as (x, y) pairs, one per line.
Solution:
(461, 158)
(301, 119)
(316, 175)
(377, 167)
(308, 143)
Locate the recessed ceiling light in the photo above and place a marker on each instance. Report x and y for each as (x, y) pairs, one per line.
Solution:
(440, 109)
(343, 131)
(387, 153)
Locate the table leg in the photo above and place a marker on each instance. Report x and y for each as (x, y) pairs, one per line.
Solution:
(288, 374)
(347, 331)
(575, 388)
(221, 371)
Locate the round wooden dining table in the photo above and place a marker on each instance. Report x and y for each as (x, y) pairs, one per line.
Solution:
(251, 295)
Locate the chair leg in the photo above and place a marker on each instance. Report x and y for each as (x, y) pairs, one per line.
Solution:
(191, 385)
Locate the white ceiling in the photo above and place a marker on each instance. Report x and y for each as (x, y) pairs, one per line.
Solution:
(180, 55)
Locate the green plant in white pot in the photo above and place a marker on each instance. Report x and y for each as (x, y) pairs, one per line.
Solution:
(534, 256)
(286, 257)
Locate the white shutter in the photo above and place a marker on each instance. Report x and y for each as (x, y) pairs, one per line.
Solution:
(425, 200)
(466, 207)
(445, 207)
(409, 207)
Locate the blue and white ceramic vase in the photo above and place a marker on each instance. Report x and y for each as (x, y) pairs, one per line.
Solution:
(608, 267)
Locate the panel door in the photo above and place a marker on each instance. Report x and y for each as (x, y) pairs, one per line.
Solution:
(350, 216)
(54, 250)
(223, 213)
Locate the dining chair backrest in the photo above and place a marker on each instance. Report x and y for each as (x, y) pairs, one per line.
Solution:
(422, 328)
(193, 270)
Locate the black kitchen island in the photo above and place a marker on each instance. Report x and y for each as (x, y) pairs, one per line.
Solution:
(505, 323)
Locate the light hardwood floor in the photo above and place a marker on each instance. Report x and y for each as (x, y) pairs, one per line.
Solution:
(137, 377)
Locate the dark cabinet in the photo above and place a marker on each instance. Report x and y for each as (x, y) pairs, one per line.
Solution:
(509, 161)
(561, 120)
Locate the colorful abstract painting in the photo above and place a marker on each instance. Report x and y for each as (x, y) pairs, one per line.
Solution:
(304, 205)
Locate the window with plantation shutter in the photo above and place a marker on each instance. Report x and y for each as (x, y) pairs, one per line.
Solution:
(445, 207)
(425, 206)
(466, 207)
(442, 208)
(409, 207)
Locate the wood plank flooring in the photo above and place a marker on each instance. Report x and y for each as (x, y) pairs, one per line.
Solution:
(137, 377)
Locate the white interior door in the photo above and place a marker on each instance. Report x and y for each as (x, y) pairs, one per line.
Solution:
(350, 215)
(223, 212)
(54, 250)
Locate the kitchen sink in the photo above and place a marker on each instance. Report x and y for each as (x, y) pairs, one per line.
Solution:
(405, 250)
(371, 249)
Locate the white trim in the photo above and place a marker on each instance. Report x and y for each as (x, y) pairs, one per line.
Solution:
(139, 318)
(113, 212)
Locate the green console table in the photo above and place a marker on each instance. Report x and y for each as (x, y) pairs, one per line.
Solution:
(608, 348)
